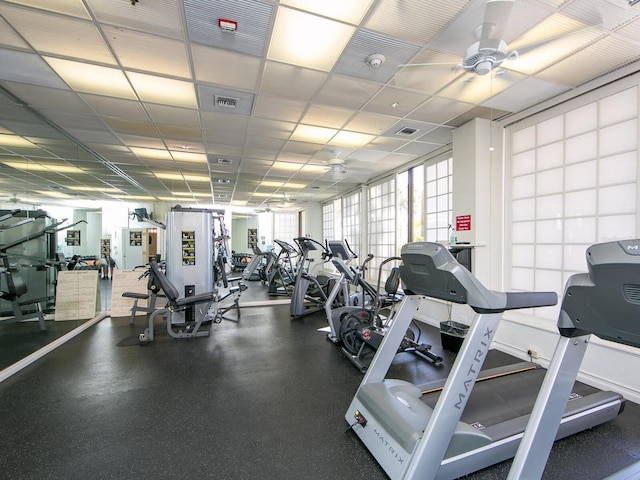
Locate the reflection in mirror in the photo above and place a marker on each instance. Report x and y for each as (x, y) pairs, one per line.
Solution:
(37, 246)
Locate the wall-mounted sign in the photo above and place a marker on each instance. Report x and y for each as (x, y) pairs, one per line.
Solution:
(188, 247)
(73, 238)
(135, 238)
(463, 222)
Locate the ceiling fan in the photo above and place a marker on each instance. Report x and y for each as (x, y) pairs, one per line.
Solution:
(488, 58)
(337, 165)
(13, 198)
(489, 51)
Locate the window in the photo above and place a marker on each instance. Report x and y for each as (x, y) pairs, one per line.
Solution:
(285, 226)
(328, 221)
(572, 184)
(351, 220)
(382, 223)
(439, 206)
(410, 206)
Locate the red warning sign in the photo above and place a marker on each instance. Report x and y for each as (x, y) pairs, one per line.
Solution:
(463, 222)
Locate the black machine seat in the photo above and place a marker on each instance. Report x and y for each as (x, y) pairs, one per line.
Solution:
(17, 287)
(429, 269)
(605, 301)
(174, 302)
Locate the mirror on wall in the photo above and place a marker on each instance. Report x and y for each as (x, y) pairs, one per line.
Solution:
(38, 244)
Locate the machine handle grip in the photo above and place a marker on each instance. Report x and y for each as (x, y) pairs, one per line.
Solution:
(516, 300)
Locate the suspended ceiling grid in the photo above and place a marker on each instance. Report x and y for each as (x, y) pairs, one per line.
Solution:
(152, 101)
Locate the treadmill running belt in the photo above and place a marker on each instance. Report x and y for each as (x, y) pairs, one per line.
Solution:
(505, 398)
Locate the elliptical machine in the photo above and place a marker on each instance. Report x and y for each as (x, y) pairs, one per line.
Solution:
(309, 292)
(360, 328)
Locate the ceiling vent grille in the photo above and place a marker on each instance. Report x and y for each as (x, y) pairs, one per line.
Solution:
(406, 131)
(226, 102)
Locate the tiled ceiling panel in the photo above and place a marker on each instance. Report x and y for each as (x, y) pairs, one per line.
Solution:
(414, 21)
(53, 34)
(161, 18)
(146, 75)
(170, 57)
(354, 59)
(253, 18)
(222, 100)
(28, 68)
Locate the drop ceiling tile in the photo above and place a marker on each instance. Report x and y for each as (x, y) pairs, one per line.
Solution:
(261, 127)
(208, 97)
(525, 93)
(225, 68)
(439, 110)
(253, 17)
(225, 122)
(276, 108)
(597, 59)
(302, 148)
(346, 92)
(548, 42)
(161, 18)
(167, 91)
(353, 61)
(386, 144)
(417, 149)
(67, 7)
(138, 141)
(476, 89)
(9, 38)
(369, 155)
(414, 21)
(28, 68)
(168, 115)
(65, 36)
(605, 14)
(180, 134)
(429, 72)
(406, 102)
(439, 135)
(265, 144)
(289, 81)
(49, 98)
(115, 107)
(325, 116)
(371, 123)
(168, 56)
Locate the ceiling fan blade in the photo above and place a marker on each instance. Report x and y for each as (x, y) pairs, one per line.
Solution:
(429, 77)
(587, 33)
(496, 17)
(427, 64)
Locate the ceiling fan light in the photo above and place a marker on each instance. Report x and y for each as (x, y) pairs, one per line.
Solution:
(484, 67)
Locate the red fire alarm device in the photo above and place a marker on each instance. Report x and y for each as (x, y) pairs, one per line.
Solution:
(227, 25)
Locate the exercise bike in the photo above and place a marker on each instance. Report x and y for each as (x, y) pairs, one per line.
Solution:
(362, 329)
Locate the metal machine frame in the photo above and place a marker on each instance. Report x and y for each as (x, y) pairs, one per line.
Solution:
(411, 440)
(603, 302)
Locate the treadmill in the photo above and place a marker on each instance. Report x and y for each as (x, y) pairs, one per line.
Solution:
(604, 302)
(460, 429)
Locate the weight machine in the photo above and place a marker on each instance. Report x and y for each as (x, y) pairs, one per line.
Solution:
(215, 308)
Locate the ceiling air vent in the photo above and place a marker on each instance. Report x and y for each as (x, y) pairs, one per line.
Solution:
(225, 161)
(406, 131)
(226, 102)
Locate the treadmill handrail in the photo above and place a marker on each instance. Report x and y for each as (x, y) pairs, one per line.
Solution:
(430, 269)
